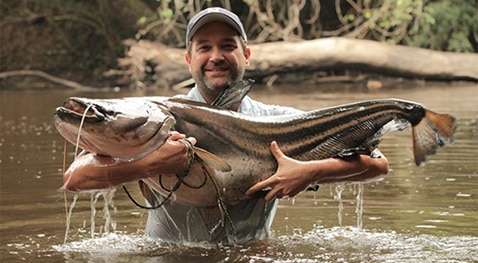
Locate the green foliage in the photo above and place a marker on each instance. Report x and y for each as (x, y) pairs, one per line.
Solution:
(435, 24)
(142, 20)
(166, 14)
(450, 25)
(383, 20)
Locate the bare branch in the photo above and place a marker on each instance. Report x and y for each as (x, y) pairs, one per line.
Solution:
(41, 74)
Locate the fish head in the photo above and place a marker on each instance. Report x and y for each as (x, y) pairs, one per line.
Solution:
(125, 129)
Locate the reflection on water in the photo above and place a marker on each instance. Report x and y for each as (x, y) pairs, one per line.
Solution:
(426, 213)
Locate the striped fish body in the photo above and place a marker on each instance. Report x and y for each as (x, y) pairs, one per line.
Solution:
(244, 141)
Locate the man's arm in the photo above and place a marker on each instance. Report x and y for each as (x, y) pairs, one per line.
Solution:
(293, 176)
(93, 172)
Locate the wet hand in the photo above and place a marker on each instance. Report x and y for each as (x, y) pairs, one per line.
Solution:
(171, 157)
(291, 177)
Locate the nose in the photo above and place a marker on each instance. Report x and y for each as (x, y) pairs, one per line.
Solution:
(217, 55)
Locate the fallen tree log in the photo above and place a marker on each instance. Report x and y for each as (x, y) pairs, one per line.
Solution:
(148, 64)
(53, 79)
(41, 74)
(332, 53)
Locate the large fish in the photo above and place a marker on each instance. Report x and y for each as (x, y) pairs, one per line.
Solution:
(126, 129)
(243, 141)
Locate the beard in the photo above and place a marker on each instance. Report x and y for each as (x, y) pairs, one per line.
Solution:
(214, 83)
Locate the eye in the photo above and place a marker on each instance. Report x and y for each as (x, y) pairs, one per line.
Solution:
(204, 48)
(229, 46)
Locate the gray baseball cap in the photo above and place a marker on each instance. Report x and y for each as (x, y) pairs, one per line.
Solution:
(214, 14)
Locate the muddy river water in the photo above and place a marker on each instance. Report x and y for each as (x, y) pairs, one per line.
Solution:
(415, 214)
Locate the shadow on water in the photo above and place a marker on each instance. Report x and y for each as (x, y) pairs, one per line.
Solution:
(415, 214)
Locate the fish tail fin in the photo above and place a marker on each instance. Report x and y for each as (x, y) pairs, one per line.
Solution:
(212, 160)
(433, 131)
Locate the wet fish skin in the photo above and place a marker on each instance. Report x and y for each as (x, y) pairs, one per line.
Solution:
(334, 131)
(243, 141)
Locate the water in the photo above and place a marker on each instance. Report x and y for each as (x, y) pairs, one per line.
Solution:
(416, 214)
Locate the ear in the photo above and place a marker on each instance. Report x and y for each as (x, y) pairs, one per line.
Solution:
(188, 59)
(247, 56)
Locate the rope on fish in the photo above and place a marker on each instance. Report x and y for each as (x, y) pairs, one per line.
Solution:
(189, 160)
(81, 126)
(191, 157)
(148, 207)
(220, 203)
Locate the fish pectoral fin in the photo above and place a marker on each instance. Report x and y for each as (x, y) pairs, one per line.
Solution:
(212, 160)
(147, 192)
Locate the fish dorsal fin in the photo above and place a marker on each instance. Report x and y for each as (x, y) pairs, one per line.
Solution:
(228, 97)
(233, 94)
(212, 160)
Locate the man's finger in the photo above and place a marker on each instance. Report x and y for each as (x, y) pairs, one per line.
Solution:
(176, 136)
(275, 150)
(192, 140)
(257, 187)
(271, 195)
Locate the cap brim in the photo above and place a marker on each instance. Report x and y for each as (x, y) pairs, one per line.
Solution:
(213, 17)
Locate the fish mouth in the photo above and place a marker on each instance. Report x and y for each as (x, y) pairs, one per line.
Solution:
(80, 110)
(102, 127)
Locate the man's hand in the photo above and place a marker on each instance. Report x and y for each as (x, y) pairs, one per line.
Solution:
(170, 158)
(93, 172)
(291, 177)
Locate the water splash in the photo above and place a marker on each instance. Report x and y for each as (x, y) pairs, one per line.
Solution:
(359, 205)
(108, 196)
(93, 200)
(350, 244)
(337, 244)
(339, 188)
(357, 190)
(68, 217)
(110, 223)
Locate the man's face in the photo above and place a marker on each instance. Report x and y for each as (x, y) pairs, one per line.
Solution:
(217, 58)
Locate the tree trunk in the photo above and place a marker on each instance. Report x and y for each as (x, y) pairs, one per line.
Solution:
(152, 64)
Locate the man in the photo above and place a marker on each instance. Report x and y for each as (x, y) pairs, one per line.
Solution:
(217, 55)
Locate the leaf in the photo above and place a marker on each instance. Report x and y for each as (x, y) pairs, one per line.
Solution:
(142, 20)
(166, 13)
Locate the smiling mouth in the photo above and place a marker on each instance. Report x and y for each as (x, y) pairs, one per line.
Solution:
(216, 69)
(217, 72)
